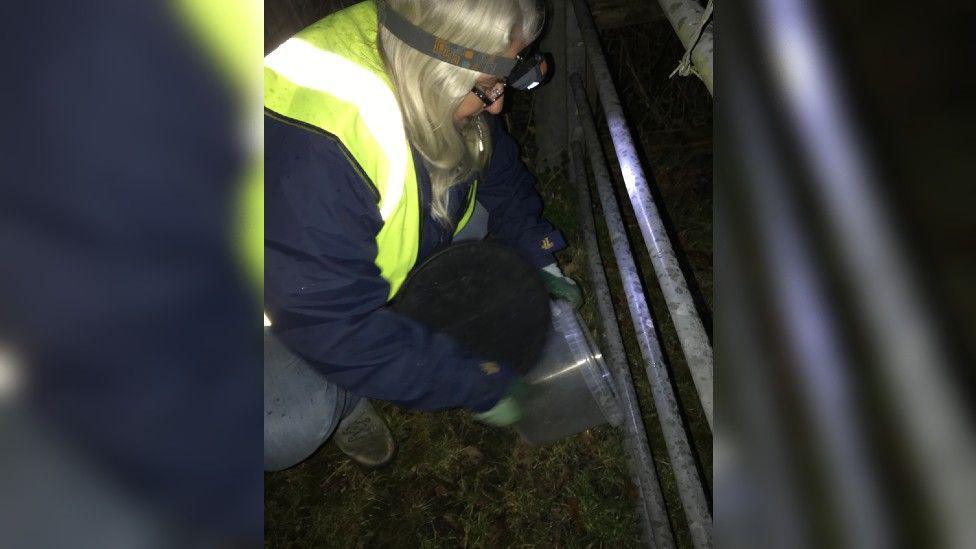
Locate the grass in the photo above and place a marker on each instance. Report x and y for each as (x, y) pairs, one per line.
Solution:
(457, 483)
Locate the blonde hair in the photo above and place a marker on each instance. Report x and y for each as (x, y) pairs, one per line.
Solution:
(429, 91)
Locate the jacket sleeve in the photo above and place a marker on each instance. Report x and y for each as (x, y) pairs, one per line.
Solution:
(326, 297)
(514, 208)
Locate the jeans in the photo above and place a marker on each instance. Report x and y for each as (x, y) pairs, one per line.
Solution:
(301, 407)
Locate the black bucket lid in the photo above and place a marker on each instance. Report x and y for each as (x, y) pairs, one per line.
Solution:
(484, 295)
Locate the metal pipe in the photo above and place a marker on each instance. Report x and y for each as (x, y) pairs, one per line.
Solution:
(898, 326)
(679, 451)
(651, 510)
(806, 327)
(685, 16)
(694, 342)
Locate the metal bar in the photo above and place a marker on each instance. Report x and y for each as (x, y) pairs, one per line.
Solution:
(898, 326)
(548, 112)
(679, 451)
(694, 342)
(684, 16)
(651, 509)
(753, 497)
(575, 63)
(806, 327)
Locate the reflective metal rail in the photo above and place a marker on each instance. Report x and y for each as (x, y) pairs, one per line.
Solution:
(691, 333)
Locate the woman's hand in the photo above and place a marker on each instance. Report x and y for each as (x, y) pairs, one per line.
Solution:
(507, 411)
(561, 286)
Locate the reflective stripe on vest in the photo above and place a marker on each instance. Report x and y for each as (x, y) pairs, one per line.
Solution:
(330, 76)
(469, 209)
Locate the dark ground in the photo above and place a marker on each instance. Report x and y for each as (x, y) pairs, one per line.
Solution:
(456, 482)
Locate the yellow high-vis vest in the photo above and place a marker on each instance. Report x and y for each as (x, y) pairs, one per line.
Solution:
(329, 77)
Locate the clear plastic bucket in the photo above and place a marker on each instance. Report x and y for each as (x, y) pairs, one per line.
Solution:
(570, 388)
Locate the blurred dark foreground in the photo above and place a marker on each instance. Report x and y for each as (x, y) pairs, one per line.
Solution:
(130, 369)
(131, 365)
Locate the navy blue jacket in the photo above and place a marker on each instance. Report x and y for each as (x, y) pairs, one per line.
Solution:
(325, 293)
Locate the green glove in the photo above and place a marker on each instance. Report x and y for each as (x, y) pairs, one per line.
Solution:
(507, 411)
(561, 286)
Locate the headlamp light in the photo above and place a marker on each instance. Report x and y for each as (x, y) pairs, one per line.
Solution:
(532, 69)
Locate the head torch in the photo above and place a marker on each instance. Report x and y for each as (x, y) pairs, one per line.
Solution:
(527, 70)
(531, 69)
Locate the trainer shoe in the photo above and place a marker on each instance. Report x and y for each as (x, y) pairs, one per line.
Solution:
(364, 436)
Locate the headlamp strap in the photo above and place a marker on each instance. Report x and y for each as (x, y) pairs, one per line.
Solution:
(441, 49)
